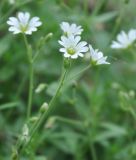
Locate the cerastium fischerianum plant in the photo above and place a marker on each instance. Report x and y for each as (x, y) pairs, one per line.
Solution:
(25, 25)
(72, 48)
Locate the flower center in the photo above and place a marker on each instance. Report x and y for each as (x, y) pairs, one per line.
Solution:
(23, 28)
(65, 34)
(93, 62)
(71, 50)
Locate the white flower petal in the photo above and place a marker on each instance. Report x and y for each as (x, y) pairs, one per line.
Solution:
(14, 29)
(34, 22)
(13, 21)
(124, 40)
(23, 17)
(100, 55)
(74, 56)
(72, 47)
(116, 45)
(132, 35)
(81, 54)
(66, 55)
(97, 56)
(72, 29)
(62, 50)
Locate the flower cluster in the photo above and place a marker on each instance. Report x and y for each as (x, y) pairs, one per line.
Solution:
(74, 48)
(124, 40)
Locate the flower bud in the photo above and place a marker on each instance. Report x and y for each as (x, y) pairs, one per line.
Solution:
(50, 122)
(131, 93)
(14, 154)
(44, 107)
(25, 130)
(48, 36)
(115, 85)
(25, 133)
(34, 119)
(74, 84)
(40, 87)
(43, 40)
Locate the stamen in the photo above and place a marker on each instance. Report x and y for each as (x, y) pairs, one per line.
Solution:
(71, 50)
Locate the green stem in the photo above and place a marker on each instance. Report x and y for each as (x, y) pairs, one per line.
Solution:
(31, 77)
(46, 114)
(82, 71)
(91, 145)
(29, 55)
(86, 2)
(29, 107)
(51, 104)
(93, 152)
(36, 55)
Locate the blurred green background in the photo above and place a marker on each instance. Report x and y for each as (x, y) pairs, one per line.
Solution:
(93, 119)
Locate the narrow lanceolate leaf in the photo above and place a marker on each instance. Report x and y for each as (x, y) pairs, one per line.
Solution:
(9, 105)
(105, 17)
(110, 131)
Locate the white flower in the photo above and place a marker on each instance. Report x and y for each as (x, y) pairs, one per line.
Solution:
(71, 29)
(72, 47)
(97, 57)
(23, 23)
(124, 40)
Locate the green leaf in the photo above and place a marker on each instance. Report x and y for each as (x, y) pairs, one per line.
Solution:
(111, 131)
(105, 17)
(9, 105)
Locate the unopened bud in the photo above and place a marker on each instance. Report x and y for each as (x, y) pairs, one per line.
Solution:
(40, 87)
(25, 133)
(124, 95)
(25, 130)
(87, 56)
(43, 40)
(14, 154)
(44, 107)
(74, 84)
(48, 36)
(50, 122)
(34, 119)
(115, 85)
(132, 93)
